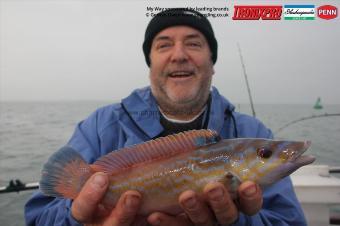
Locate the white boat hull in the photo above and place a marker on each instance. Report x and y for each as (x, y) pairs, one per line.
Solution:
(316, 190)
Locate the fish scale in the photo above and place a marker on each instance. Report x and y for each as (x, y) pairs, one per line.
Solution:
(168, 180)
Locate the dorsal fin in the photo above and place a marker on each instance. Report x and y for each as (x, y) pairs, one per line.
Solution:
(159, 148)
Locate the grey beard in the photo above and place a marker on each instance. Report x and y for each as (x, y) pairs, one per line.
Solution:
(182, 109)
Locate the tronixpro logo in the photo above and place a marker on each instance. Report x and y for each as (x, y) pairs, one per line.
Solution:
(257, 12)
(327, 12)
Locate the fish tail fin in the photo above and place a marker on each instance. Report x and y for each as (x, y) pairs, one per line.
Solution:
(64, 174)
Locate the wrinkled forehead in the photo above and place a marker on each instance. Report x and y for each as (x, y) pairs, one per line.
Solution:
(179, 32)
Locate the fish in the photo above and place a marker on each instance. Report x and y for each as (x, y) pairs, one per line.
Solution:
(161, 169)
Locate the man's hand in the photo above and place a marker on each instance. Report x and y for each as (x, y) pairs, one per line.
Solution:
(216, 205)
(86, 208)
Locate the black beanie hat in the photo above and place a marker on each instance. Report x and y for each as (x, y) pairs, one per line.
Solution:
(179, 16)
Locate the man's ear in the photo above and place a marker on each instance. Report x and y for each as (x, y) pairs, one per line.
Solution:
(212, 64)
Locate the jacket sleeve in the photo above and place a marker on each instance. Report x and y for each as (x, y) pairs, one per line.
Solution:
(280, 204)
(280, 208)
(43, 210)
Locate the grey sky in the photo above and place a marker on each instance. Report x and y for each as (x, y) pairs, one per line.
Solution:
(91, 50)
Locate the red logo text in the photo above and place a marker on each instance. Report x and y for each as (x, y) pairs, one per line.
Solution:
(327, 12)
(253, 12)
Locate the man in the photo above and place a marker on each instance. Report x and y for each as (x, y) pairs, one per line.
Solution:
(180, 48)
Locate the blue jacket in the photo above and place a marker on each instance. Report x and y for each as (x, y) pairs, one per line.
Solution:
(136, 120)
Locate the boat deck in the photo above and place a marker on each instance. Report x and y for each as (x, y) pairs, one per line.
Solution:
(317, 191)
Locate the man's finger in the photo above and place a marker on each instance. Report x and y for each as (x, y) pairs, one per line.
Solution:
(85, 205)
(221, 203)
(126, 209)
(161, 219)
(198, 211)
(250, 197)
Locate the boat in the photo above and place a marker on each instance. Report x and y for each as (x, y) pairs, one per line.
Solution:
(317, 191)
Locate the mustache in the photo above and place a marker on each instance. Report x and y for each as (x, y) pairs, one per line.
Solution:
(188, 69)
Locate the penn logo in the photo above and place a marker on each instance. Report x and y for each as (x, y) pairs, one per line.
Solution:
(257, 12)
(327, 12)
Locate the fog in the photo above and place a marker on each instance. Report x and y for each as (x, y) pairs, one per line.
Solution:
(92, 50)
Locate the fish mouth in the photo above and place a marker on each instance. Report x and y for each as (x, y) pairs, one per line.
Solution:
(301, 159)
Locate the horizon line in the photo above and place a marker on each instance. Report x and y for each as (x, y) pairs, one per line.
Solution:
(117, 101)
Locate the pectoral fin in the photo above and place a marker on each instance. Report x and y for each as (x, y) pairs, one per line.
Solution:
(231, 182)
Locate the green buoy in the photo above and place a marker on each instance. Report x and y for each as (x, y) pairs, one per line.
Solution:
(318, 105)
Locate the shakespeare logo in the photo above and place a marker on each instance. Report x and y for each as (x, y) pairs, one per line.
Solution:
(257, 12)
(327, 12)
(299, 12)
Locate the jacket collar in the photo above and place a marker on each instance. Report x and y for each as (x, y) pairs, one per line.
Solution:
(143, 109)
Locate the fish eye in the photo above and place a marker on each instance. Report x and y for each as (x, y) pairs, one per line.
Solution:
(264, 153)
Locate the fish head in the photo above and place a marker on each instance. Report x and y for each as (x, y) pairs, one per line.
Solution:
(267, 161)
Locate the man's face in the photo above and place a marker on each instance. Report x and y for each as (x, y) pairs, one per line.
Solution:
(181, 67)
